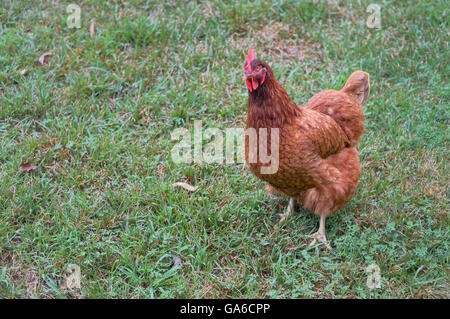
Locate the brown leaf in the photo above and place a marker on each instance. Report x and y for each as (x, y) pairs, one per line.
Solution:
(185, 186)
(26, 167)
(44, 57)
(92, 28)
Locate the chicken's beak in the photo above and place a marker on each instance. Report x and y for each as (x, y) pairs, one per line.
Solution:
(248, 81)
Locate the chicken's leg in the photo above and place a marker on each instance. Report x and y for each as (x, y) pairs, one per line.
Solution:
(290, 210)
(320, 234)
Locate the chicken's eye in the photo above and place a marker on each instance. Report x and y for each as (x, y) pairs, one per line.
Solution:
(258, 68)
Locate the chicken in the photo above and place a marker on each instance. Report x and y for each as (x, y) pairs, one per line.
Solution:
(318, 164)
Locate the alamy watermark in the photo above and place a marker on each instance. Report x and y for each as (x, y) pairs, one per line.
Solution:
(374, 276)
(189, 149)
(74, 18)
(374, 19)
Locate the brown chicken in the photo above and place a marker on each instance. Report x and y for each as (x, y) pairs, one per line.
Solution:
(317, 163)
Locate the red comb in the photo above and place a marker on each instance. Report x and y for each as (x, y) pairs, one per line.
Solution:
(250, 57)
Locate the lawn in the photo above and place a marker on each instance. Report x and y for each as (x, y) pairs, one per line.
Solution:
(96, 120)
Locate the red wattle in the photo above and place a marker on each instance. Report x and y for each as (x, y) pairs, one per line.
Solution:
(249, 85)
(255, 84)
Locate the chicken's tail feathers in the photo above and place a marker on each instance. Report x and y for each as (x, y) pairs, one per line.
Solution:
(358, 86)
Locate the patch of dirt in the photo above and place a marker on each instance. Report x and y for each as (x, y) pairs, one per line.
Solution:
(277, 42)
(32, 283)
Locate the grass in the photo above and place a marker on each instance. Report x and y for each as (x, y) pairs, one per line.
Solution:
(96, 121)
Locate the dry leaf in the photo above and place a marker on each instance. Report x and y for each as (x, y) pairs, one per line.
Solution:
(185, 186)
(26, 167)
(92, 28)
(44, 57)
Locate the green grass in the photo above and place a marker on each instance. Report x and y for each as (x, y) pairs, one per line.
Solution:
(97, 119)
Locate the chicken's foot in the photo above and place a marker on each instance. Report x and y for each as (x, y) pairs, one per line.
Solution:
(320, 235)
(290, 210)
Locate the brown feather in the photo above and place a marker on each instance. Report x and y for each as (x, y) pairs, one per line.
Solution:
(345, 106)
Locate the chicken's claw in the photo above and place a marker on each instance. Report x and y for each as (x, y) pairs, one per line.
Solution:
(319, 237)
(320, 234)
(283, 217)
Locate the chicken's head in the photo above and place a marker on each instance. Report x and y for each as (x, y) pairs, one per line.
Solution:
(255, 71)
